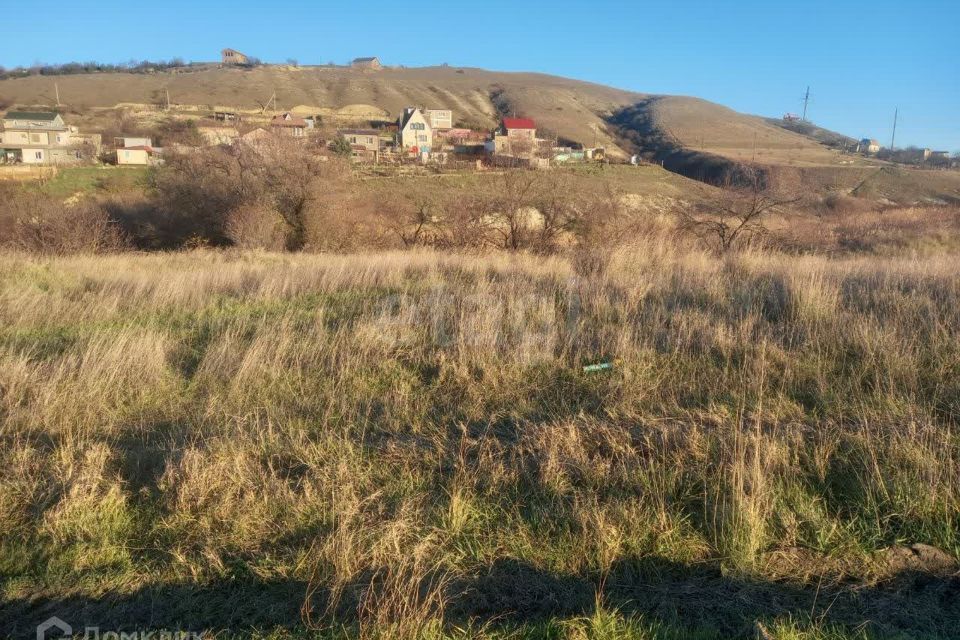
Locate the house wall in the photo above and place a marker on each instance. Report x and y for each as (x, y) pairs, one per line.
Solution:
(440, 118)
(522, 134)
(417, 137)
(34, 156)
(137, 142)
(370, 142)
(371, 64)
(235, 58)
(132, 156)
(16, 137)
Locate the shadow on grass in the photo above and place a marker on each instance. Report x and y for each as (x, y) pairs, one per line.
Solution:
(512, 592)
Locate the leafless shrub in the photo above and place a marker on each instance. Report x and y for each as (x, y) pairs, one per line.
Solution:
(279, 174)
(414, 219)
(738, 217)
(842, 204)
(254, 226)
(37, 223)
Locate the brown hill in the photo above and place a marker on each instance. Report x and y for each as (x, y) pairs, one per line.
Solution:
(695, 137)
(571, 109)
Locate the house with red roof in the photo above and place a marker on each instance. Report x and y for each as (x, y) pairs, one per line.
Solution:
(515, 137)
(289, 124)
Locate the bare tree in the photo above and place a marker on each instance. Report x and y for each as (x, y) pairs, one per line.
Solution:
(279, 176)
(737, 217)
(413, 218)
(32, 221)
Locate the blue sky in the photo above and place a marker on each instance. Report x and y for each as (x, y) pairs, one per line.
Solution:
(861, 58)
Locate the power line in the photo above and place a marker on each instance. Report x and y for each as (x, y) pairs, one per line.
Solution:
(806, 101)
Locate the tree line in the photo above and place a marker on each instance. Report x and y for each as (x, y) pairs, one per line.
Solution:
(74, 68)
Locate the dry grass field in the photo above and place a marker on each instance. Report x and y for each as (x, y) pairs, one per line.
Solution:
(406, 445)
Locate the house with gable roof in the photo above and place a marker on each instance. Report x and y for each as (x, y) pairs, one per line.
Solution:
(38, 137)
(414, 132)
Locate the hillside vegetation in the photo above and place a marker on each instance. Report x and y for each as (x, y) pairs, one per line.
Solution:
(569, 108)
(404, 445)
(697, 138)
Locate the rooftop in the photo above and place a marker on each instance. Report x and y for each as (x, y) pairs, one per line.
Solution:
(44, 116)
(518, 123)
(287, 120)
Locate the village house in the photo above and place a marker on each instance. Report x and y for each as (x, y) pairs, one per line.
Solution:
(289, 124)
(136, 151)
(38, 137)
(121, 143)
(141, 155)
(942, 155)
(226, 116)
(868, 146)
(440, 119)
(232, 57)
(364, 143)
(372, 63)
(415, 133)
(516, 137)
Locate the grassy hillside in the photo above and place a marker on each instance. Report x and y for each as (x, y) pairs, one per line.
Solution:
(405, 445)
(707, 141)
(695, 137)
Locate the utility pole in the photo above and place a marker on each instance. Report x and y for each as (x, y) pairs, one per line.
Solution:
(273, 99)
(806, 101)
(168, 98)
(893, 136)
(57, 90)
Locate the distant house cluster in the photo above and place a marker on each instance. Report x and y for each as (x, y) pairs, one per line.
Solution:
(420, 133)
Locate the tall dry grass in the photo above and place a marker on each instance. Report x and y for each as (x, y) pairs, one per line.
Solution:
(390, 429)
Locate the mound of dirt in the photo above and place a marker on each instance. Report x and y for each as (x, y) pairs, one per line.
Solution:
(919, 558)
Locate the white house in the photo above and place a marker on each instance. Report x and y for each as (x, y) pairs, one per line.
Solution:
(136, 151)
(415, 133)
(37, 137)
(440, 119)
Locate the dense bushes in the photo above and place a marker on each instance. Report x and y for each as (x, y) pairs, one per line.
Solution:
(280, 194)
(32, 222)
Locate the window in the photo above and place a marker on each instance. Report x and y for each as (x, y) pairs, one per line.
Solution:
(416, 126)
(39, 155)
